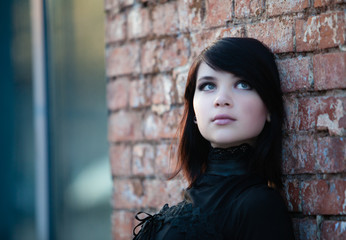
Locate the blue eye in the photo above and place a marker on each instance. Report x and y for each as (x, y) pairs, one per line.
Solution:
(206, 86)
(243, 85)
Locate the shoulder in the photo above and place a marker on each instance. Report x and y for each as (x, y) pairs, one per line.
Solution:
(261, 198)
(261, 212)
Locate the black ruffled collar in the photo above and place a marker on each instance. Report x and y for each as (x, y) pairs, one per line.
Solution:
(229, 161)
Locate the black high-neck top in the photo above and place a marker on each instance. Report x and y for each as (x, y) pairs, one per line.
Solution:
(227, 202)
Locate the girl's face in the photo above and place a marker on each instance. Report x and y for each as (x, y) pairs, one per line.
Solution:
(228, 111)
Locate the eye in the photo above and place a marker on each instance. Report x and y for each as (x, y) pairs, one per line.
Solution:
(243, 85)
(208, 86)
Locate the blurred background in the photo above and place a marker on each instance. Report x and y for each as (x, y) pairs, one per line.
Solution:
(77, 170)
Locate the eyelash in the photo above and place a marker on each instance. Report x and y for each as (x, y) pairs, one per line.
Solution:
(203, 85)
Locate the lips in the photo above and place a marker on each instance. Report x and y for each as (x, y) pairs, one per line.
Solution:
(223, 119)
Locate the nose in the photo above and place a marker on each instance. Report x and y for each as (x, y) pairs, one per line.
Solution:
(223, 100)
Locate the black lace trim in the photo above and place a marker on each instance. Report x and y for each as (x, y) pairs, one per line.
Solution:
(186, 218)
(229, 153)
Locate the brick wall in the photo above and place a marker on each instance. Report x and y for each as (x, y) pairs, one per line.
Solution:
(149, 48)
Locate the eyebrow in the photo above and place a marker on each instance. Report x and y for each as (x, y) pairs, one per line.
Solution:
(207, 78)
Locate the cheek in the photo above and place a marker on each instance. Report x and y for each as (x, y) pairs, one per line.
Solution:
(256, 113)
(197, 105)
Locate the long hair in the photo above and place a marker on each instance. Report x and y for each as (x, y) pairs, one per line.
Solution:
(252, 61)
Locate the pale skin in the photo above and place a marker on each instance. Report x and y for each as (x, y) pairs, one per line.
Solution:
(228, 111)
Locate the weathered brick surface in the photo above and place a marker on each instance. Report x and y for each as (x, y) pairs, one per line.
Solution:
(218, 12)
(124, 126)
(127, 64)
(299, 154)
(321, 3)
(247, 8)
(138, 22)
(164, 55)
(295, 74)
(322, 31)
(122, 225)
(140, 92)
(120, 157)
(278, 7)
(143, 159)
(277, 34)
(324, 197)
(149, 48)
(291, 110)
(305, 229)
(162, 86)
(292, 195)
(190, 14)
(116, 31)
(322, 113)
(329, 71)
(333, 230)
(164, 165)
(127, 193)
(331, 154)
(165, 19)
(118, 93)
(157, 126)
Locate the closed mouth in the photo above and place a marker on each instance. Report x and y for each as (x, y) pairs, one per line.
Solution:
(223, 117)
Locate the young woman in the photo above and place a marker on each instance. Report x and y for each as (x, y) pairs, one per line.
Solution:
(229, 150)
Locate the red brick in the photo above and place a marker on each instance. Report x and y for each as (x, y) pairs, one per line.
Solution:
(115, 28)
(218, 12)
(180, 75)
(298, 154)
(190, 14)
(324, 197)
(165, 19)
(164, 161)
(159, 192)
(172, 53)
(126, 3)
(161, 126)
(112, 5)
(123, 60)
(333, 230)
(124, 126)
(122, 225)
(322, 113)
(162, 86)
(148, 56)
(127, 194)
(321, 3)
(120, 158)
(331, 155)
(138, 22)
(140, 93)
(143, 159)
(275, 7)
(291, 109)
(164, 55)
(295, 74)
(277, 34)
(329, 71)
(248, 8)
(305, 229)
(318, 32)
(292, 195)
(199, 41)
(118, 93)
(233, 32)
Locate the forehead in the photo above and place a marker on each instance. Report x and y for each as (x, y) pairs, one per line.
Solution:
(205, 71)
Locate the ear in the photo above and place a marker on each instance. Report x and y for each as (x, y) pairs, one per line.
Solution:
(268, 117)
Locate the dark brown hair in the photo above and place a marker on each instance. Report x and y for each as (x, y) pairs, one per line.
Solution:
(252, 61)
